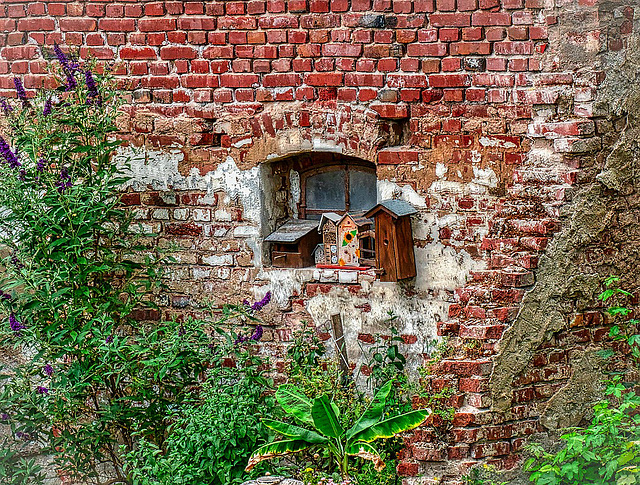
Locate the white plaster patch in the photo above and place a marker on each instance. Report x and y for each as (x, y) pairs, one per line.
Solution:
(159, 169)
(321, 145)
(496, 142)
(485, 176)
(391, 190)
(296, 191)
(441, 170)
(415, 316)
(282, 283)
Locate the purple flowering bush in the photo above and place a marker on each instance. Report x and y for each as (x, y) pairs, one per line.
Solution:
(97, 383)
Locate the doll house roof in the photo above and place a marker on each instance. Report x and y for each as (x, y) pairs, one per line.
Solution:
(291, 231)
(394, 207)
(359, 219)
(328, 216)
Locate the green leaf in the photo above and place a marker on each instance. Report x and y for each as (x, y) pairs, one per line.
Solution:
(393, 426)
(275, 449)
(294, 432)
(324, 417)
(373, 413)
(295, 403)
(367, 452)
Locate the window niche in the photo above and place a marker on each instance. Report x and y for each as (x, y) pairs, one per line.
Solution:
(319, 216)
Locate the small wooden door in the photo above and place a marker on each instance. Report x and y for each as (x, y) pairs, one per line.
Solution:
(386, 250)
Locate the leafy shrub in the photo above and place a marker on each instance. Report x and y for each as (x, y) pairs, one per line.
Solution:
(93, 374)
(606, 452)
(212, 436)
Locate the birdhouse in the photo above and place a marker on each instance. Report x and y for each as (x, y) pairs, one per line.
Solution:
(394, 240)
(328, 228)
(353, 233)
(293, 244)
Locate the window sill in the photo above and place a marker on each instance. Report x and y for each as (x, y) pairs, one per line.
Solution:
(312, 274)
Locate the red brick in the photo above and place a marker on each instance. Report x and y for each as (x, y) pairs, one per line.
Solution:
(137, 53)
(238, 80)
(391, 111)
(407, 80)
(398, 155)
(450, 19)
(324, 79)
(276, 80)
(517, 48)
(117, 25)
(197, 23)
(342, 50)
(449, 80)
(427, 50)
(156, 25)
(470, 48)
(35, 24)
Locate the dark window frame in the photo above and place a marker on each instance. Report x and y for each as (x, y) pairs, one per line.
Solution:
(350, 166)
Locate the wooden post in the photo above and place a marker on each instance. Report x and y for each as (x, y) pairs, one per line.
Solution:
(341, 345)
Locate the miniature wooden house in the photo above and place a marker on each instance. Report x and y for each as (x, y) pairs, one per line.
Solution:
(394, 240)
(293, 244)
(353, 231)
(328, 228)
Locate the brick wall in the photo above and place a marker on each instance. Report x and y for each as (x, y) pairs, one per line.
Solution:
(479, 112)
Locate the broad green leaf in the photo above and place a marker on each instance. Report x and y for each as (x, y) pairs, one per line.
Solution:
(295, 403)
(294, 432)
(275, 449)
(374, 411)
(367, 452)
(392, 426)
(324, 417)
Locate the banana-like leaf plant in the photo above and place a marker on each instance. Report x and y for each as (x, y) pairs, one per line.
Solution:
(322, 415)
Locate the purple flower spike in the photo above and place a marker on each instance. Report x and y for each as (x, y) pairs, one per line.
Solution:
(92, 89)
(47, 107)
(8, 155)
(22, 174)
(42, 390)
(41, 164)
(260, 304)
(109, 339)
(68, 67)
(65, 180)
(6, 107)
(48, 370)
(4, 417)
(257, 333)
(15, 325)
(22, 94)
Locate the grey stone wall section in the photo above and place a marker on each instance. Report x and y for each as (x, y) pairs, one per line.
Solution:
(602, 219)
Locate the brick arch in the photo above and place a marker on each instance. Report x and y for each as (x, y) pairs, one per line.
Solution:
(282, 131)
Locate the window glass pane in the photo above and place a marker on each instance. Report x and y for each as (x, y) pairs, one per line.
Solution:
(362, 191)
(325, 191)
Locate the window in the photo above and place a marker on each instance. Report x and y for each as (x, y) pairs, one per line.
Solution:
(337, 188)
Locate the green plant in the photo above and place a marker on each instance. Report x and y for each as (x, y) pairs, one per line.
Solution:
(385, 359)
(625, 329)
(73, 289)
(606, 452)
(213, 434)
(328, 434)
(482, 476)
(306, 350)
(16, 469)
